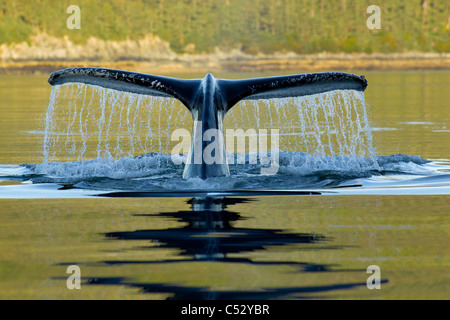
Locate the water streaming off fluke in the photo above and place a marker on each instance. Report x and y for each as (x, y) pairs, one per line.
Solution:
(90, 122)
(85, 122)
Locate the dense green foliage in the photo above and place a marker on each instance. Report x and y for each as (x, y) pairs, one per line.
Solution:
(302, 26)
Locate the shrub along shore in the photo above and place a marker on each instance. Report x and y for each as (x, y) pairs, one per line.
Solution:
(224, 36)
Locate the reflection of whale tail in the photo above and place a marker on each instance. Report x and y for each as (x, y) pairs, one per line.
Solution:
(209, 99)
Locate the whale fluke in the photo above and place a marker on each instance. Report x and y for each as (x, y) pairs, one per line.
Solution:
(209, 99)
(140, 83)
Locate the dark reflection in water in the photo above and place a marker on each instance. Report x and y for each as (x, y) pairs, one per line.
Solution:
(204, 293)
(207, 234)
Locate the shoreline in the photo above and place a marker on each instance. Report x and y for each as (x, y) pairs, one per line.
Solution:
(281, 63)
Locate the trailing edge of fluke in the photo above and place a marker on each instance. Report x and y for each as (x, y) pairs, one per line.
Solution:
(209, 99)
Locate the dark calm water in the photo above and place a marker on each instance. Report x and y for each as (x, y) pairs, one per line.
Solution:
(310, 231)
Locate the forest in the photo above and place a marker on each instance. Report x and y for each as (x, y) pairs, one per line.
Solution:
(256, 26)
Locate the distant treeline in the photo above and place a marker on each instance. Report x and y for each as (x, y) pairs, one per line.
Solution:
(254, 26)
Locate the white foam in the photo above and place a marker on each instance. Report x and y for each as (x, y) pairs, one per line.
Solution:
(122, 168)
(14, 170)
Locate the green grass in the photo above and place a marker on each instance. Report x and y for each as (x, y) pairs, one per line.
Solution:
(301, 26)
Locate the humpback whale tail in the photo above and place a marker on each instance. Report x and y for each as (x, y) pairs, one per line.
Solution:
(209, 99)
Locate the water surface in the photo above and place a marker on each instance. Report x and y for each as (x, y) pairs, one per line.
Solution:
(298, 234)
